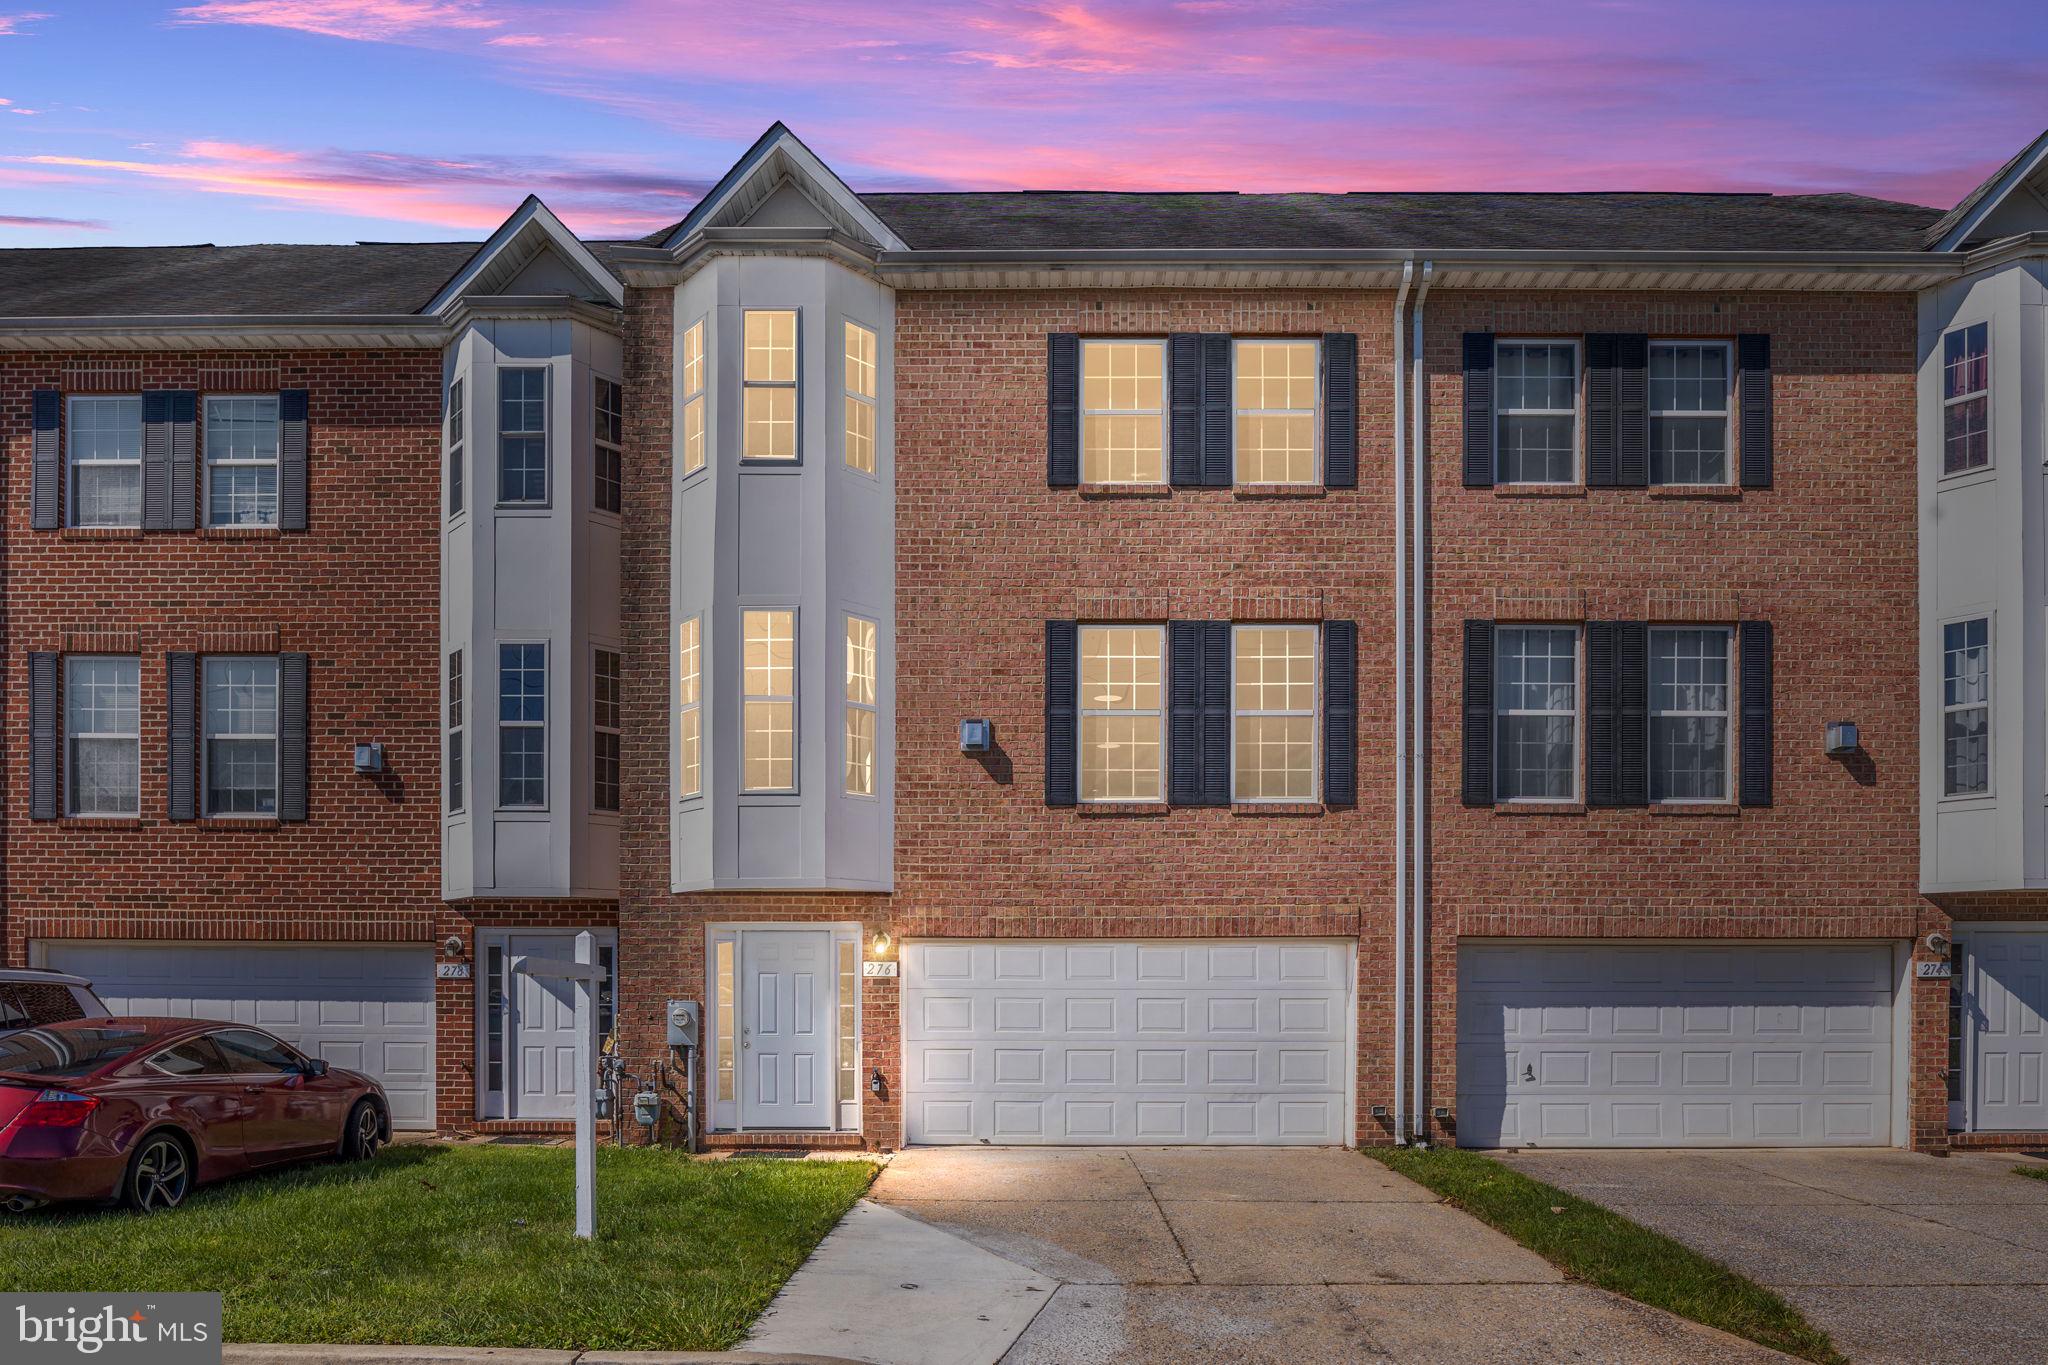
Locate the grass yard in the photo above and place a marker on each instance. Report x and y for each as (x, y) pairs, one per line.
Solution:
(464, 1246)
(1601, 1247)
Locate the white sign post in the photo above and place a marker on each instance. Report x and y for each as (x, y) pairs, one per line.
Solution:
(583, 971)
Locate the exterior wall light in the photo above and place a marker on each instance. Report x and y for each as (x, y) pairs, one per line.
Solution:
(881, 944)
(369, 758)
(1842, 738)
(977, 736)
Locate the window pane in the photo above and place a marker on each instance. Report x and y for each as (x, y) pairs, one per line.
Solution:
(1966, 673)
(522, 730)
(1275, 758)
(1536, 713)
(522, 683)
(522, 469)
(1122, 423)
(242, 428)
(771, 347)
(1121, 687)
(849, 1043)
(101, 696)
(860, 435)
(726, 1009)
(108, 495)
(693, 359)
(102, 726)
(860, 360)
(860, 752)
(770, 653)
(1276, 411)
(689, 772)
(860, 661)
(105, 429)
(1966, 361)
(1967, 756)
(1120, 758)
(1966, 435)
(240, 720)
(1689, 715)
(1536, 449)
(770, 754)
(693, 435)
(770, 424)
(1276, 668)
(522, 765)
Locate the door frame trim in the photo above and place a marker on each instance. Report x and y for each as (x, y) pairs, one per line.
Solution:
(499, 935)
(724, 1116)
(1961, 931)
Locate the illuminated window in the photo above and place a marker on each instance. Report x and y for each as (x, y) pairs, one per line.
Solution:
(1122, 671)
(689, 710)
(860, 398)
(693, 398)
(1122, 413)
(768, 402)
(860, 706)
(728, 1022)
(849, 1013)
(1273, 714)
(768, 706)
(1276, 411)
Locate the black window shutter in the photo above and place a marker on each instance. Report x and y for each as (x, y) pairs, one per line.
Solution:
(1631, 714)
(1062, 717)
(1479, 418)
(181, 695)
(43, 747)
(1756, 713)
(1753, 362)
(1216, 713)
(184, 490)
(1063, 410)
(1340, 713)
(1478, 785)
(291, 736)
(1184, 712)
(46, 463)
(1184, 387)
(1632, 410)
(1340, 409)
(1599, 414)
(1600, 749)
(291, 459)
(156, 461)
(1216, 410)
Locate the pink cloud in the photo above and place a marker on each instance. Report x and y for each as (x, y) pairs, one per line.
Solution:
(10, 24)
(362, 20)
(18, 220)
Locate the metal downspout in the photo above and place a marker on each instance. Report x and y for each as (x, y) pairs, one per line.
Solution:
(1400, 704)
(1418, 772)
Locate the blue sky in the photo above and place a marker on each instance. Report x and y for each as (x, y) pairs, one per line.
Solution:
(335, 120)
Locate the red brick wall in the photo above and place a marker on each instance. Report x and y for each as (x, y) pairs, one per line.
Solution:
(1827, 554)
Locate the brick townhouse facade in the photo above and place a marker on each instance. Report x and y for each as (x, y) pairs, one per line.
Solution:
(969, 646)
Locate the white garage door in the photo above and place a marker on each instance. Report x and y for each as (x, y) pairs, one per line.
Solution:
(1155, 1042)
(1597, 1045)
(370, 1009)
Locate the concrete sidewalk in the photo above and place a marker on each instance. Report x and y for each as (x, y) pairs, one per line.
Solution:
(233, 1354)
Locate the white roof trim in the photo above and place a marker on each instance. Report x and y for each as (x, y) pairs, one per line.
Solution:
(780, 152)
(531, 219)
(2022, 170)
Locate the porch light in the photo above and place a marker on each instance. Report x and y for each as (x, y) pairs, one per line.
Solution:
(881, 944)
(1842, 738)
(977, 736)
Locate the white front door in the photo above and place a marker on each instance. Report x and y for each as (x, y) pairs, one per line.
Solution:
(2008, 1004)
(529, 1026)
(786, 1037)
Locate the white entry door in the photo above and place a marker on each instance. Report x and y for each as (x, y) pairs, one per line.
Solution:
(2008, 1004)
(786, 1036)
(529, 1026)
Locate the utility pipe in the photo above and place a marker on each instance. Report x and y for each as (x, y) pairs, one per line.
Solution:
(1418, 771)
(1400, 702)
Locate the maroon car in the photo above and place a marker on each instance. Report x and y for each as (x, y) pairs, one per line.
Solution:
(141, 1110)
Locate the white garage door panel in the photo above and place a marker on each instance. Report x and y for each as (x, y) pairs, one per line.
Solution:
(369, 1009)
(1237, 1042)
(1662, 1045)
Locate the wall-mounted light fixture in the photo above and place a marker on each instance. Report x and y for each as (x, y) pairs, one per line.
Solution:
(881, 943)
(369, 758)
(452, 946)
(977, 736)
(1842, 738)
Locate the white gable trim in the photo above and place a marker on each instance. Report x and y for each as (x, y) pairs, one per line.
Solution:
(2016, 178)
(781, 155)
(533, 225)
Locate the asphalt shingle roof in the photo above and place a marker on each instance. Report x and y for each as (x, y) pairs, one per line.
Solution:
(379, 277)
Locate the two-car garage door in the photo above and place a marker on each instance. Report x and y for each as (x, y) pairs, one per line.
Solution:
(368, 1008)
(1105, 1042)
(1659, 1045)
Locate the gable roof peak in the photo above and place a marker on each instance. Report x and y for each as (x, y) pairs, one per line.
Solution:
(776, 158)
(1957, 226)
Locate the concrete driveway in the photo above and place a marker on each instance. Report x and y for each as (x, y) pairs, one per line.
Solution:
(968, 1256)
(1897, 1257)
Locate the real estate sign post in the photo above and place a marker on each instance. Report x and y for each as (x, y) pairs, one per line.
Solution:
(583, 971)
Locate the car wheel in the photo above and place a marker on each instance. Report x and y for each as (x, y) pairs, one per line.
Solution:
(364, 1134)
(159, 1175)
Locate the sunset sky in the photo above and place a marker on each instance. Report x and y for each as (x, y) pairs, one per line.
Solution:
(127, 121)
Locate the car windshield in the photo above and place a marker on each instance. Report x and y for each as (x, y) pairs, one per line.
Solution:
(66, 1052)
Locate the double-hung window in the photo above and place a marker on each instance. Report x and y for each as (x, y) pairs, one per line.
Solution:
(1273, 713)
(456, 423)
(860, 398)
(456, 795)
(522, 726)
(860, 706)
(768, 386)
(1276, 411)
(241, 461)
(1689, 714)
(241, 736)
(1123, 418)
(1966, 707)
(522, 435)
(1536, 411)
(689, 708)
(605, 727)
(1689, 393)
(102, 736)
(693, 397)
(768, 701)
(104, 436)
(1966, 399)
(1536, 713)
(608, 437)
(1122, 683)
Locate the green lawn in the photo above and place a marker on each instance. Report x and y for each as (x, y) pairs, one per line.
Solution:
(469, 1246)
(1601, 1247)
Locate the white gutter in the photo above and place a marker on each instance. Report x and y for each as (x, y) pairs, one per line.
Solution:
(1400, 702)
(1419, 662)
